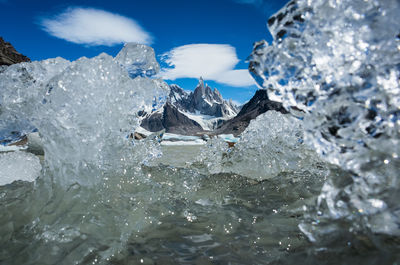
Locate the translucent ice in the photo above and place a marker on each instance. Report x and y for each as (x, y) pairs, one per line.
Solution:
(18, 166)
(84, 110)
(139, 60)
(339, 62)
(21, 85)
(272, 144)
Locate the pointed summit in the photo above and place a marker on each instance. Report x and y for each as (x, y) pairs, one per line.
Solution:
(201, 81)
(204, 109)
(217, 96)
(200, 91)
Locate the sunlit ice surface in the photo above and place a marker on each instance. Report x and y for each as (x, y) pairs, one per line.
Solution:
(335, 64)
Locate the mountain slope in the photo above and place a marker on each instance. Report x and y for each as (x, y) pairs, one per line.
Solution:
(172, 120)
(257, 105)
(8, 55)
(209, 102)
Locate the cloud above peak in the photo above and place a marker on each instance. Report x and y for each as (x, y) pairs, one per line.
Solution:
(93, 27)
(211, 61)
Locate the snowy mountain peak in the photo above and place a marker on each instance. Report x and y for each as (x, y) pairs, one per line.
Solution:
(204, 105)
(201, 82)
(210, 102)
(178, 97)
(217, 96)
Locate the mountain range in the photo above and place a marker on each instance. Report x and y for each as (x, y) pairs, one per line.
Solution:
(190, 113)
(257, 105)
(204, 111)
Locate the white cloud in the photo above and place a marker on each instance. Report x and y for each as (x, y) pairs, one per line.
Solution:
(95, 27)
(211, 61)
(238, 78)
(196, 60)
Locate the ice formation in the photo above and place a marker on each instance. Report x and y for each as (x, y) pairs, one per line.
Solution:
(138, 60)
(272, 144)
(84, 110)
(338, 61)
(21, 86)
(18, 165)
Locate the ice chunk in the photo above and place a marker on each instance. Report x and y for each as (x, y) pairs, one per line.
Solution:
(339, 62)
(138, 59)
(84, 110)
(272, 144)
(89, 113)
(18, 165)
(228, 138)
(21, 85)
(35, 144)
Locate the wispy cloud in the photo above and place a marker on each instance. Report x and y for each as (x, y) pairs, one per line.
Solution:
(211, 61)
(238, 78)
(95, 27)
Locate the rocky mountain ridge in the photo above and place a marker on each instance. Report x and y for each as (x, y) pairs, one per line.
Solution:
(258, 104)
(191, 113)
(202, 100)
(8, 54)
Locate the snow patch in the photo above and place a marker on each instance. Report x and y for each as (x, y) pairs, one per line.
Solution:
(196, 142)
(178, 137)
(143, 131)
(207, 122)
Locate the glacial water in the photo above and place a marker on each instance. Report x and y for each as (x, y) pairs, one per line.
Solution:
(317, 186)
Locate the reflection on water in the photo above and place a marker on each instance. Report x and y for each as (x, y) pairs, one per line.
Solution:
(170, 215)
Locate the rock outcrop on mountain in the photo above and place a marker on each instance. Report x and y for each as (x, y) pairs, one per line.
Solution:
(8, 55)
(202, 100)
(209, 102)
(257, 105)
(172, 120)
(189, 113)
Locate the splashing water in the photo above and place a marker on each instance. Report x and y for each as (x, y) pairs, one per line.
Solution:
(338, 61)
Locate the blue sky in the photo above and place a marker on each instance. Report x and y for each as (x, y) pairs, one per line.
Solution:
(211, 38)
